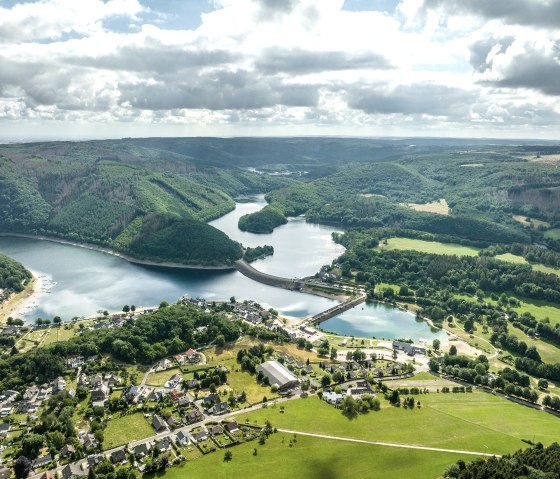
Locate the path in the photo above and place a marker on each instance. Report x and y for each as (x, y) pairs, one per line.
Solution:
(390, 444)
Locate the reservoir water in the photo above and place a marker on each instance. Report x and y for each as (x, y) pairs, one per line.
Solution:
(78, 281)
(382, 322)
(81, 281)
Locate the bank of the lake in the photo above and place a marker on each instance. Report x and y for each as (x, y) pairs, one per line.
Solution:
(14, 303)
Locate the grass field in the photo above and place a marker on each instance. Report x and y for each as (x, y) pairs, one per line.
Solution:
(58, 334)
(124, 429)
(439, 207)
(473, 422)
(434, 247)
(512, 258)
(161, 377)
(311, 458)
(241, 381)
(553, 234)
(526, 221)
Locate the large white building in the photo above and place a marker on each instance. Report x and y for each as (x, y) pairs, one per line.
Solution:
(278, 375)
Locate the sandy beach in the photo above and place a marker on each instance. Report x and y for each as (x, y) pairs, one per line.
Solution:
(18, 301)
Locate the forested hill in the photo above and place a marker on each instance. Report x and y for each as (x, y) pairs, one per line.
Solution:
(13, 277)
(151, 198)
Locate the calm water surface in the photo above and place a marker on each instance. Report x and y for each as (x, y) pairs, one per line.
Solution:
(81, 281)
(381, 321)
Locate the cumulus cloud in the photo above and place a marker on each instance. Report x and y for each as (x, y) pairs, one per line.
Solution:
(543, 13)
(413, 99)
(301, 64)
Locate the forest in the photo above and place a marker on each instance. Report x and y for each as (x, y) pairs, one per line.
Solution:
(13, 275)
(535, 462)
(170, 330)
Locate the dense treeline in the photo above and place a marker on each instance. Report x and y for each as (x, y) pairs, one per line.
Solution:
(170, 330)
(13, 275)
(462, 274)
(259, 252)
(537, 462)
(263, 221)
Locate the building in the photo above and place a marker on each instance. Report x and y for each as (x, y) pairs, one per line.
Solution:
(101, 394)
(278, 375)
(332, 398)
(158, 423)
(409, 348)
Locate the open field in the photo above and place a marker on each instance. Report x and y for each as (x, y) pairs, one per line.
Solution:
(434, 247)
(553, 234)
(548, 351)
(468, 421)
(311, 457)
(512, 258)
(161, 377)
(57, 334)
(439, 207)
(242, 381)
(526, 221)
(124, 429)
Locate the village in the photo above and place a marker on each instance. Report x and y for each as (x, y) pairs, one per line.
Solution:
(189, 404)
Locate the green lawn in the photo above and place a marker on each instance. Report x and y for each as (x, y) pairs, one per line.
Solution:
(553, 234)
(161, 377)
(122, 430)
(311, 458)
(512, 258)
(434, 247)
(57, 334)
(548, 351)
(241, 381)
(469, 421)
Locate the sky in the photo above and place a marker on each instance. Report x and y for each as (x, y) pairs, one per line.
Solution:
(79, 69)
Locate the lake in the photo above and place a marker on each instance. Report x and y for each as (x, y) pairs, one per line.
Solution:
(382, 322)
(78, 281)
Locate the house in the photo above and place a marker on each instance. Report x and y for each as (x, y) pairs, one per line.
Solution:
(97, 381)
(181, 438)
(218, 409)
(100, 394)
(163, 445)
(192, 383)
(173, 381)
(176, 395)
(357, 392)
(212, 398)
(83, 379)
(111, 380)
(184, 402)
(199, 436)
(71, 470)
(158, 423)
(6, 411)
(59, 384)
(193, 356)
(4, 429)
(278, 375)
(142, 449)
(193, 416)
(67, 450)
(42, 461)
(118, 456)
(94, 459)
(173, 422)
(232, 426)
(215, 430)
(89, 441)
(75, 362)
(332, 397)
(30, 393)
(409, 348)
(132, 393)
(48, 475)
(163, 364)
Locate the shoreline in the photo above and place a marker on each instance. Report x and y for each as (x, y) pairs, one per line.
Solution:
(17, 300)
(109, 251)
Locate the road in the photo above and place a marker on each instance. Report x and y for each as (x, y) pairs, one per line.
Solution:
(390, 444)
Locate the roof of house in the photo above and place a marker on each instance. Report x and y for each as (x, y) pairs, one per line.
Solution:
(277, 373)
(158, 422)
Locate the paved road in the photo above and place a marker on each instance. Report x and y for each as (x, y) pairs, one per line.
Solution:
(390, 444)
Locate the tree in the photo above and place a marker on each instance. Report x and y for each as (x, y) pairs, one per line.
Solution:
(57, 320)
(126, 308)
(325, 380)
(232, 300)
(228, 456)
(453, 350)
(435, 344)
(543, 384)
(132, 308)
(22, 467)
(31, 445)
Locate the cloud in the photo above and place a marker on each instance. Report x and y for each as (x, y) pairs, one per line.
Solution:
(220, 90)
(275, 60)
(544, 13)
(519, 63)
(413, 99)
